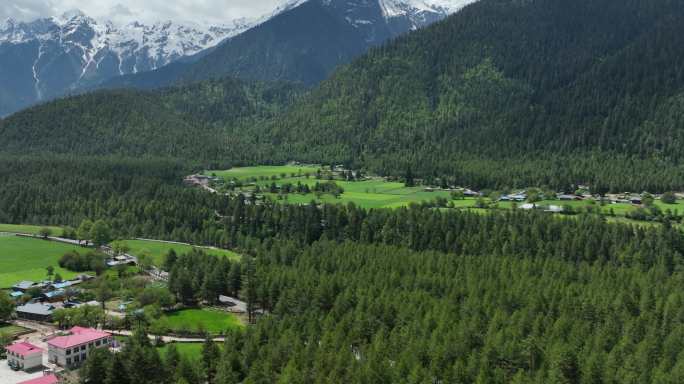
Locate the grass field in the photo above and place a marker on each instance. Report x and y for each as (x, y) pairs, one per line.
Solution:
(375, 193)
(245, 173)
(196, 320)
(159, 249)
(12, 330)
(30, 229)
(192, 351)
(26, 259)
(380, 193)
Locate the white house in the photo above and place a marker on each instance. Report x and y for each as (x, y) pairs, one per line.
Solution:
(72, 349)
(24, 356)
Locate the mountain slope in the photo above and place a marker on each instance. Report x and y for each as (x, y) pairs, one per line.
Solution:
(192, 122)
(305, 43)
(508, 81)
(47, 58)
(503, 94)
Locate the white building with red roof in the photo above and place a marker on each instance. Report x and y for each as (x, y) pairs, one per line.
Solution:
(24, 356)
(72, 349)
(46, 379)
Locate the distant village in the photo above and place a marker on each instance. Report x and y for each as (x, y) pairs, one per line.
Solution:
(522, 198)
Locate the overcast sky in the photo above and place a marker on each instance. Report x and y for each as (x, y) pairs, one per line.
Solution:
(214, 11)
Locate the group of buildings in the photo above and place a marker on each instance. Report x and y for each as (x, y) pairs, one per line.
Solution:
(67, 350)
(46, 296)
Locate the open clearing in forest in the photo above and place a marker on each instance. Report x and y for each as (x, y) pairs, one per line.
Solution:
(267, 171)
(28, 229)
(198, 320)
(159, 249)
(372, 193)
(23, 258)
(381, 193)
(192, 351)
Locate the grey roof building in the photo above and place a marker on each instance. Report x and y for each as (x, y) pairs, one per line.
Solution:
(35, 311)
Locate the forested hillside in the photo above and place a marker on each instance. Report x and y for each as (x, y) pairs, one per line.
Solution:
(500, 95)
(193, 122)
(535, 87)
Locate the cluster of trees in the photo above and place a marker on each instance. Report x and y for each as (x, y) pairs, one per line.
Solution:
(196, 276)
(77, 262)
(141, 362)
(141, 197)
(586, 238)
(84, 316)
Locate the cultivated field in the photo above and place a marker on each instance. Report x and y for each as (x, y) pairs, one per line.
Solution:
(197, 320)
(159, 249)
(26, 259)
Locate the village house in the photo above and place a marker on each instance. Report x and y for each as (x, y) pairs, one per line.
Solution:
(24, 356)
(233, 304)
(121, 260)
(55, 296)
(72, 349)
(35, 312)
(24, 286)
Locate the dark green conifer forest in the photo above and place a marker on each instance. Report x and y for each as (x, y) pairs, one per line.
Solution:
(504, 94)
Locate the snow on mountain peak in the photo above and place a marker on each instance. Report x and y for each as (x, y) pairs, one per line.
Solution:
(395, 8)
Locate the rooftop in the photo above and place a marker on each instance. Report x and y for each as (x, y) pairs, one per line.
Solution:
(24, 349)
(77, 336)
(48, 379)
(24, 284)
(36, 308)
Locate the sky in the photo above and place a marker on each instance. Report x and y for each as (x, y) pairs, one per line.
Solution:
(199, 11)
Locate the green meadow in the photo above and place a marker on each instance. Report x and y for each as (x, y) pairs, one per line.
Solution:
(11, 330)
(381, 193)
(199, 320)
(192, 351)
(24, 258)
(373, 193)
(28, 229)
(159, 249)
(267, 171)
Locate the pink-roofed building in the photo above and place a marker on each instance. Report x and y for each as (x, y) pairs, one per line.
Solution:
(25, 356)
(72, 349)
(47, 379)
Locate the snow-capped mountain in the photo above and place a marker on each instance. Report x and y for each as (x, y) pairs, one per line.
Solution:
(421, 12)
(49, 57)
(302, 41)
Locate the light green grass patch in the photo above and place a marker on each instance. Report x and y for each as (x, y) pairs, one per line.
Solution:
(191, 351)
(196, 320)
(159, 249)
(243, 173)
(12, 330)
(28, 229)
(24, 258)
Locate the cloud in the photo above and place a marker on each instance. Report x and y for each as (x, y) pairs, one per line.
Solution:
(198, 11)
